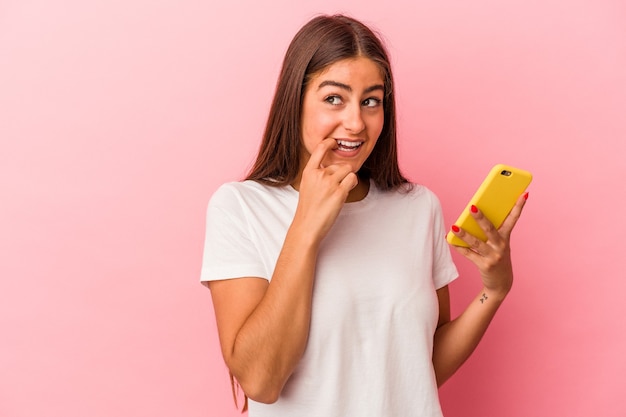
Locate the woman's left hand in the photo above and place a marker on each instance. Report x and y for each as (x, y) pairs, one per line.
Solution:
(493, 257)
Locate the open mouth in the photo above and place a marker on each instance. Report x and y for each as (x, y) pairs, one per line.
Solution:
(347, 145)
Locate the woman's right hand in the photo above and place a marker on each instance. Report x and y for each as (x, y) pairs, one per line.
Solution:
(323, 192)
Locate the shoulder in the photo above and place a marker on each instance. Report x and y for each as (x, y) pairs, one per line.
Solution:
(415, 192)
(413, 200)
(237, 193)
(231, 190)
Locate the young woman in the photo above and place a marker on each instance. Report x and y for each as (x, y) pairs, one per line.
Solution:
(328, 270)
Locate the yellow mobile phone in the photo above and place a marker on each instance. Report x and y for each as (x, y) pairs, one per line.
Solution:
(495, 198)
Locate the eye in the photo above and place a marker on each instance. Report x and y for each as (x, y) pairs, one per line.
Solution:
(334, 100)
(372, 102)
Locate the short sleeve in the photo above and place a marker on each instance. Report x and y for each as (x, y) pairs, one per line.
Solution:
(444, 269)
(229, 251)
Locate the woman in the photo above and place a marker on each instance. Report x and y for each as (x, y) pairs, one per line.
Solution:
(328, 270)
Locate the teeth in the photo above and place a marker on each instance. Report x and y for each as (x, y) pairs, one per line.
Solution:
(349, 144)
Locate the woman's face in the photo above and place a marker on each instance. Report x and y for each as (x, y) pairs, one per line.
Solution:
(343, 102)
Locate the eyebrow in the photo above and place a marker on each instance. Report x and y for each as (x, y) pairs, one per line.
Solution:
(348, 88)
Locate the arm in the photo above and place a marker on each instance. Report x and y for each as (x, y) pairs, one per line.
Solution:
(263, 326)
(456, 340)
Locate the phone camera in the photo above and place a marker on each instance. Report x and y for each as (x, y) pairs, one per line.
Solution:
(506, 173)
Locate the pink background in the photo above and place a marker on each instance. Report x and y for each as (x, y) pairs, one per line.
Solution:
(118, 119)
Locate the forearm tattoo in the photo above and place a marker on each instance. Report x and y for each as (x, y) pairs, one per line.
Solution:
(483, 298)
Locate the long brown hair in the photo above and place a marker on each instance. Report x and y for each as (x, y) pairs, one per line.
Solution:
(323, 41)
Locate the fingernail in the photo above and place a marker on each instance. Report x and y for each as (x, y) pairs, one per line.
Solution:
(526, 196)
(455, 228)
(474, 209)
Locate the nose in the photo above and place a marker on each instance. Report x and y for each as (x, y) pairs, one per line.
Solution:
(353, 119)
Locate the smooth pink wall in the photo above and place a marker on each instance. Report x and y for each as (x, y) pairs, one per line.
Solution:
(118, 119)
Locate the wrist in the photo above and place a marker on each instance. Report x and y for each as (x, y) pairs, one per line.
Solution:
(494, 295)
(303, 237)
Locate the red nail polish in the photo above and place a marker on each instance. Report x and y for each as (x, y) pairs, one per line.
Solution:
(474, 209)
(526, 196)
(455, 228)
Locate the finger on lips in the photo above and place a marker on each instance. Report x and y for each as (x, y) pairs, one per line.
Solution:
(320, 151)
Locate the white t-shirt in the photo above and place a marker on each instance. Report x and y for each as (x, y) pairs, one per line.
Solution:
(375, 308)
